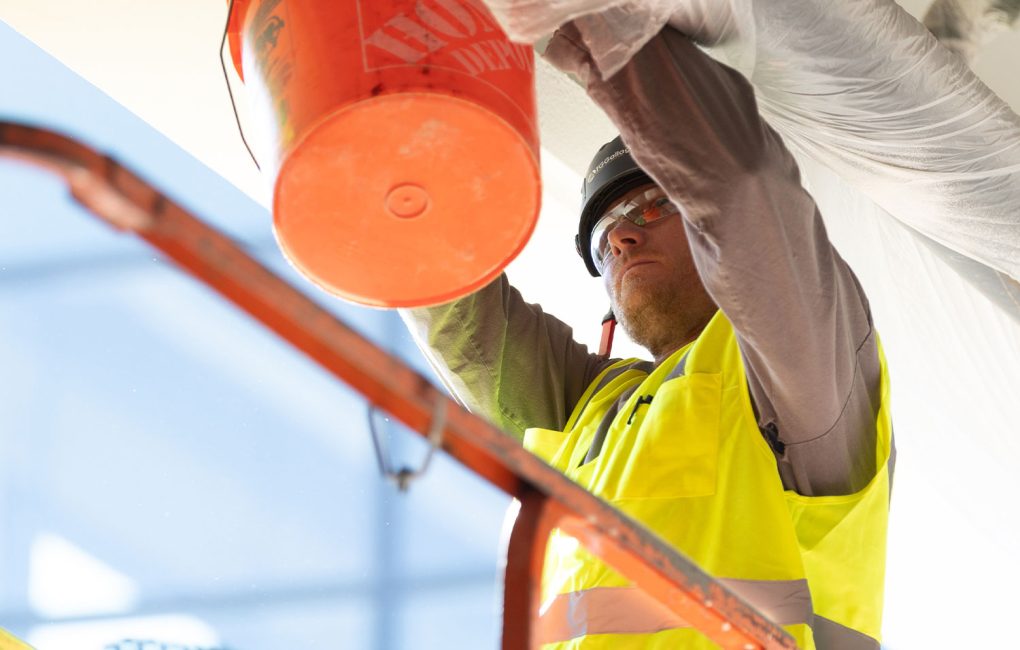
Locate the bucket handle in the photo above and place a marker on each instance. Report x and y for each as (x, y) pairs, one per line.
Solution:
(230, 88)
(405, 476)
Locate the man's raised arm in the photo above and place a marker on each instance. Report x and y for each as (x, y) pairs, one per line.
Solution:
(801, 318)
(505, 359)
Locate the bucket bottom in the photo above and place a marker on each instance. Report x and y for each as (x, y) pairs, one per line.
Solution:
(406, 200)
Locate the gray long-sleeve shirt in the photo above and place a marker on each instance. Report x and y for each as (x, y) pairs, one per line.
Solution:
(801, 319)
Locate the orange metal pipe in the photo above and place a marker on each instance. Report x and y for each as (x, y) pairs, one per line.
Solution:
(127, 202)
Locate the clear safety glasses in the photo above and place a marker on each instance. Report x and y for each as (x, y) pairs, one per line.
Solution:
(645, 208)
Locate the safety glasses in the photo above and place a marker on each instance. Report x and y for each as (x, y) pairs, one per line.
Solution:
(648, 207)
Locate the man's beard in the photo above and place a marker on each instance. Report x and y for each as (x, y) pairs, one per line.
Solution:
(653, 316)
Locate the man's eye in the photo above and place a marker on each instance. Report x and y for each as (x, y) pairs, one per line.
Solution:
(636, 214)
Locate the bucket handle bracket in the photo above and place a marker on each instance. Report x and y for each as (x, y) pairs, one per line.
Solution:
(404, 476)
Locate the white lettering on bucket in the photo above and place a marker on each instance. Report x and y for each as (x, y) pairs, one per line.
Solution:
(413, 35)
(397, 48)
(488, 56)
(409, 29)
(457, 10)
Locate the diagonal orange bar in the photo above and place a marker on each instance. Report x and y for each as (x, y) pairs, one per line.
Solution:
(548, 498)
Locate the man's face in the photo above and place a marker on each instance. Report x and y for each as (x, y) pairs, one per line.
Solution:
(652, 282)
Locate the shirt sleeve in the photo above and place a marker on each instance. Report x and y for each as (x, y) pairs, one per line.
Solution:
(801, 319)
(505, 360)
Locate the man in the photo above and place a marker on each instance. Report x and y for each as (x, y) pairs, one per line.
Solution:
(758, 442)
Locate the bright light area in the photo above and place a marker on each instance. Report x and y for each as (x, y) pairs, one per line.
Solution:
(64, 581)
(175, 630)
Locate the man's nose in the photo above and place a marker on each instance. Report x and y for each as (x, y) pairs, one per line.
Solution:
(626, 236)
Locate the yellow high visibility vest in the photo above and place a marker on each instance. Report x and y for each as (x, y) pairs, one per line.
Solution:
(683, 455)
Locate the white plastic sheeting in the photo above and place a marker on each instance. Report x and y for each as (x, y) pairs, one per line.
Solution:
(859, 86)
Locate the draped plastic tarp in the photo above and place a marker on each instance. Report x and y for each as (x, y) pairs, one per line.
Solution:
(859, 86)
(915, 165)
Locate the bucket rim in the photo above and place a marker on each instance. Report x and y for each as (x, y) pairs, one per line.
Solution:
(439, 296)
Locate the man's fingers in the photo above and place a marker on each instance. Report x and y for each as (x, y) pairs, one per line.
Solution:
(566, 51)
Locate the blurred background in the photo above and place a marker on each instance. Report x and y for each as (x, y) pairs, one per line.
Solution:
(171, 471)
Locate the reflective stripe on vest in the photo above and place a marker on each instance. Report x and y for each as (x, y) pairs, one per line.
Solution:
(830, 635)
(628, 610)
(610, 374)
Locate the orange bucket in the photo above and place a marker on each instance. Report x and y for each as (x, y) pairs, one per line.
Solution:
(402, 140)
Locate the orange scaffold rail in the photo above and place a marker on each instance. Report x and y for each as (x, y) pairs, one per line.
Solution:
(548, 499)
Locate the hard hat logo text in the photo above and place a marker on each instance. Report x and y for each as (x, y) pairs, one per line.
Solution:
(608, 159)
